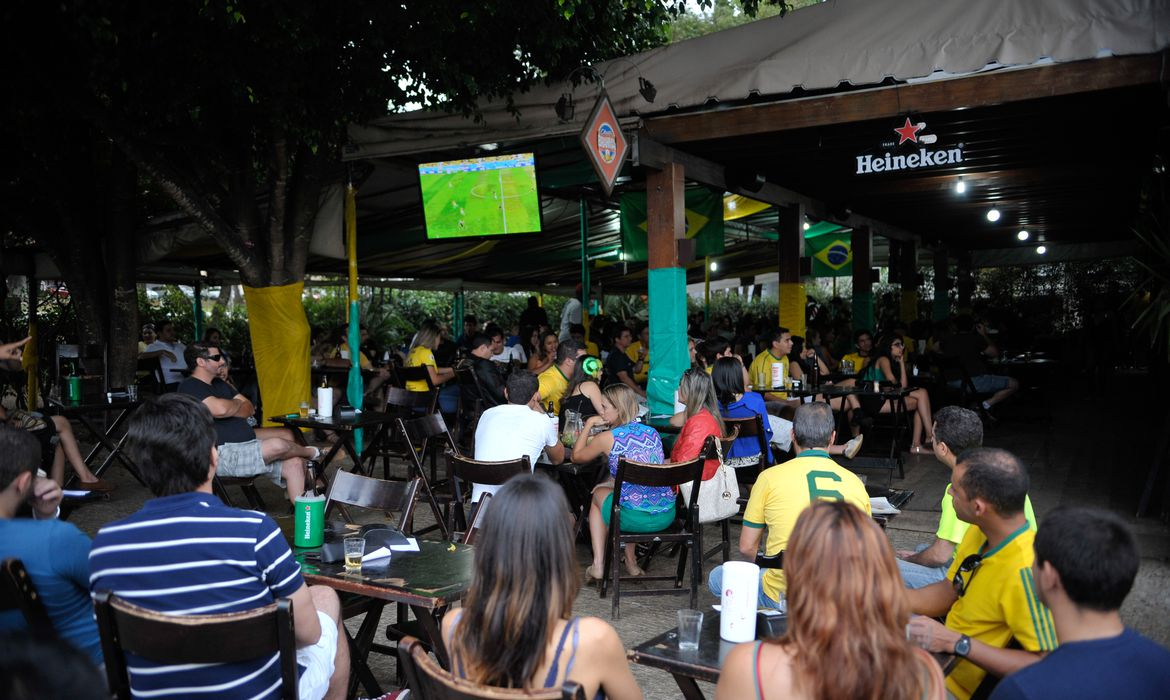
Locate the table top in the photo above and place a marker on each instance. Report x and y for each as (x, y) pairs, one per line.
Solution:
(433, 577)
(365, 419)
(92, 403)
(888, 390)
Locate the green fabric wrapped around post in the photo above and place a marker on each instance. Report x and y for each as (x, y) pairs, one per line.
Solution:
(863, 311)
(669, 356)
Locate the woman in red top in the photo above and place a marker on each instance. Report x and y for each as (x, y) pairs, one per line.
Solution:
(702, 419)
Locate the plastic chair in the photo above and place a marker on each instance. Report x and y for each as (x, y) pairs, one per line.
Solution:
(194, 639)
(685, 531)
(431, 682)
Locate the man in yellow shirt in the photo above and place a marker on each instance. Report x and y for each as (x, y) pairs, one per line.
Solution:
(779, 345)
(989, 597)
(577, 333)
(863, 340)
(782, 492)
(639, 352)
(554, 380)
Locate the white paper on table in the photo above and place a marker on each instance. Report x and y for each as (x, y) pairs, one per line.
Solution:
(411, 546)
(379, 553)
(881, 506)
(75, 494)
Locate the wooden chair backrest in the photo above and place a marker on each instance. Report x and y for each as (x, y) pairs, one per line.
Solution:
(413, 374)
(17, 592)
(631, 472)
(375, 494)
(490, 473)
(401, 402)
(431, 682)
(420, 431)
(710, 452)
(749, 426)
(194, 639)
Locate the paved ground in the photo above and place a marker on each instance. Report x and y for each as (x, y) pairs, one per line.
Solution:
(1077, 452)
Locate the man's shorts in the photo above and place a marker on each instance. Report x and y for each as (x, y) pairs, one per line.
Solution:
(317, 660)
(244, 459)
(986, 383)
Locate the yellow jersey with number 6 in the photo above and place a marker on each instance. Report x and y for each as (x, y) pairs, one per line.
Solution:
(782, 492)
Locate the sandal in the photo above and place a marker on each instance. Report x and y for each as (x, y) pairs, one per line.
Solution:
(98, 485)
(634, 571)
(590, 577)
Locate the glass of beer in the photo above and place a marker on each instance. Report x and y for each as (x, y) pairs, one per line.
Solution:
(304, 409)
(355, 547)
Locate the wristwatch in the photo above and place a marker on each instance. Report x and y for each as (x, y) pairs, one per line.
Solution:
(963, 647)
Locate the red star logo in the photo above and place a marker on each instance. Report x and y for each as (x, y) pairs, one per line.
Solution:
(907, 132)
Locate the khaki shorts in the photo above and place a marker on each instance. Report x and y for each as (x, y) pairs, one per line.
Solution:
(244, 459)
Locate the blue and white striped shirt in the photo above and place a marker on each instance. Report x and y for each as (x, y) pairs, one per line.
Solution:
(189, 555)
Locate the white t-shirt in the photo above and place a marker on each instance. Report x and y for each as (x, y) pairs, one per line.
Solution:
(514, 353)
(170, 368)
(511, 431)
(569, 315)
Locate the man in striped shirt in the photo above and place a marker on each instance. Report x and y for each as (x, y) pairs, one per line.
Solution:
(186, 553)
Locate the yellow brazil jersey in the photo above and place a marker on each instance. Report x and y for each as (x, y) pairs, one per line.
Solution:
(760, 373)
(857, 360)
(951, 529)
(363, 361)
(591, 348)
(999, 602)
(632, 353)
(419, 356)
(552, 387)
(782, 492)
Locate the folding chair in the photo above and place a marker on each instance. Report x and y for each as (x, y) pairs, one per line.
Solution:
(471, 405)
(685, 530)
(465, 471)
(17, 592)
(401, 375)
(247, 484)
(431, 682)
(750, 426)
(404, 404)
(194, 639)
(420, 435)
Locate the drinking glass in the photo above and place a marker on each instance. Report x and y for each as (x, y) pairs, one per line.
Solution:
(355, 547)
(689, 624)
(132, 392)
(304, 409)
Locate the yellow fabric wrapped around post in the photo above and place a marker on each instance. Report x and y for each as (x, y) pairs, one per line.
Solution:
(909, 305)
(793, 300)
(280, 346)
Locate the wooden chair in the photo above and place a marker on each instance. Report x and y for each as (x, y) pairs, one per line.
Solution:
(431, 682)
(465, 471)
(471, 405)
(194, 639)
(750, 426)
(710, 452)
(685, 531)
(247, 485)
(401, 403)
(422, 435)
(17, 592)
(401, 375)
(773, 561)
(349, 489)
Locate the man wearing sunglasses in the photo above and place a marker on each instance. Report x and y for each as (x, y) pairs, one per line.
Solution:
(243, 452)
(989, 597)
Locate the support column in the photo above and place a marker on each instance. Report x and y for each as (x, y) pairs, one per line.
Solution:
(862, 244)
(908, 279)
(667, 285)
(197, 311)
(941, 308)
(793, 297)
(585, 266)
(965, 282)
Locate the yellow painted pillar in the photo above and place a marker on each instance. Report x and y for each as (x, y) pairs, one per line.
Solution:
(793, 297)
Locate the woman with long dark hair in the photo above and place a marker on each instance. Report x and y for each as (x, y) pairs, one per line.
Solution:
(518, 631)
(736, 402)
(847, 615)
(583, 394)
(544, 354)
(887, 363)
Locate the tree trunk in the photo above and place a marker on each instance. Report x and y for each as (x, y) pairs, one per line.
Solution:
(120, 262)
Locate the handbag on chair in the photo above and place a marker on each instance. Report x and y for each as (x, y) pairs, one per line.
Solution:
(717, 495)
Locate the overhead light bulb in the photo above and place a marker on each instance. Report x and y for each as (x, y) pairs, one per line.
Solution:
(807, 226)
(960, 186)
(714, 266)
(1023, 235)
(731, 204)
(993, 215)
(1041, 250)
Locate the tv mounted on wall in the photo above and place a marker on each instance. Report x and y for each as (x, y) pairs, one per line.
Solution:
(487, 196)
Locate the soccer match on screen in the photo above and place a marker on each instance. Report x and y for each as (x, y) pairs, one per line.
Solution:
(480, 196)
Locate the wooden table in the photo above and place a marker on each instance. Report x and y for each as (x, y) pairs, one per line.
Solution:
(427, 581)
(705, 663)
(82, 411)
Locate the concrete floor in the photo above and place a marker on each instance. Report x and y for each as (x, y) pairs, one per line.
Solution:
(1076, 452)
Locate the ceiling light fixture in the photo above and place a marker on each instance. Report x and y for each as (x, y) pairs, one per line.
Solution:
(1023, 235)
(1041, 250)
(960, 186)
(807, 226)
(731, 204)
(993, 215)
(714, 266)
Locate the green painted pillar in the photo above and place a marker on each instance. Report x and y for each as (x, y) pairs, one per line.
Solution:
(667, 280)
(862, 243)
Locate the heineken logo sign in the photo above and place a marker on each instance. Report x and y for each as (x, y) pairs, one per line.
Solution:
(898, 156)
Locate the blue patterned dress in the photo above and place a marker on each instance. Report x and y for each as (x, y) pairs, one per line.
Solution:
(640, 443)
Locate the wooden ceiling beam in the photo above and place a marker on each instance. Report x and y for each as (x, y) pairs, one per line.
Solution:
(980, 90)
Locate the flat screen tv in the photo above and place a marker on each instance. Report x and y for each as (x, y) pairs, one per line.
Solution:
(487, 196)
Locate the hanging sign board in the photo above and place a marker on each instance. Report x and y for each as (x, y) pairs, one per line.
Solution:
(605, 143)
(909, 152)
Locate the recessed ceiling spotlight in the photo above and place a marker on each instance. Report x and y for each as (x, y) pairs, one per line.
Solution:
(714, 266)
(807, 226)
(731, 204)
(960, 186)
(1023, 235)
(993, 215)
(1041, 250)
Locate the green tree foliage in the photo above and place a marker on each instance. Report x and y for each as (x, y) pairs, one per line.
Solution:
(725, 14)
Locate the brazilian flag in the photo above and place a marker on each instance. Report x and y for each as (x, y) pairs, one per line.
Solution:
(704, 213)
(830, 248)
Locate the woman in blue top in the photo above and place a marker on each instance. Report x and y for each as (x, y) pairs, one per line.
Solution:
(644, 508)
(736, 402)
(519, 631)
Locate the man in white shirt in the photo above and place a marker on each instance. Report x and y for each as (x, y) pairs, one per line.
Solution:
(172, 364)
(570, 314)
(517, 428)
